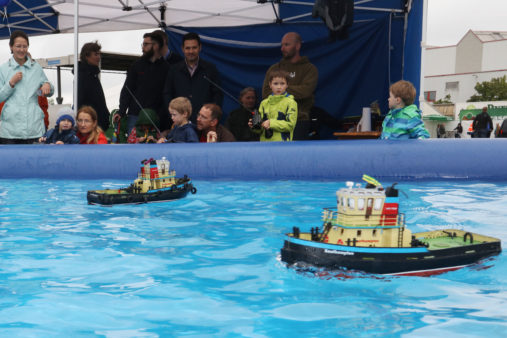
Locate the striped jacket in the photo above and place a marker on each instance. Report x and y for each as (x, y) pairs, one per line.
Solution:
(404, 123)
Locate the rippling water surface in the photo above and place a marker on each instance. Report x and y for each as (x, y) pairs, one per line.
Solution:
(208, 265)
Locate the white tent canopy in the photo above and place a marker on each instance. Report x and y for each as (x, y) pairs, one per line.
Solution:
(386, 37)
(117, 15)
(114, 15)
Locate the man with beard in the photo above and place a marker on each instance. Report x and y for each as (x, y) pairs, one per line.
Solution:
(302, 84)
(144, 84)
(191, 77)
(209, 129)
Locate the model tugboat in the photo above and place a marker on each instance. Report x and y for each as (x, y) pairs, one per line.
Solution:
(367, 232)
(155, 183)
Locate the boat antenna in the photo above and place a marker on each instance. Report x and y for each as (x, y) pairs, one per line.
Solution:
(142, 109)
(372, 181)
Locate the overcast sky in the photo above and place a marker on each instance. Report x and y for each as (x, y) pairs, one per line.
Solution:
(447, 22)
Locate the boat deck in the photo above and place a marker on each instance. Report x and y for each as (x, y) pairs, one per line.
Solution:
(445, 242)
(436, 239)
(112, 192)
(440, 239)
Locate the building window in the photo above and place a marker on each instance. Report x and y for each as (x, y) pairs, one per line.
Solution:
(430, 96)
(497, 36)
(452, 85)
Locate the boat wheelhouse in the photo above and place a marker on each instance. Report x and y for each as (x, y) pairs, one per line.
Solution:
(155, 183)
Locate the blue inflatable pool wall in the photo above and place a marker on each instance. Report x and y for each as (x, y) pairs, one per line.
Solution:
(311, 160)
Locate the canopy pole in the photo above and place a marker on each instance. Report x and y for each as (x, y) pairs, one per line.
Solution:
(423, 50)
(389, 49)
(59, 98)
(405, 26)
(76, 48)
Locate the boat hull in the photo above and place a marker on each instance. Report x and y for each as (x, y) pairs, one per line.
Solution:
(396, 261)
(107, 198)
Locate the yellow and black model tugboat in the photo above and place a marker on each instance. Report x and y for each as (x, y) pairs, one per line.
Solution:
(367, 232)
(155, 183)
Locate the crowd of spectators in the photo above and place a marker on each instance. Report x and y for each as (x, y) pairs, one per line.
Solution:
(169, 98)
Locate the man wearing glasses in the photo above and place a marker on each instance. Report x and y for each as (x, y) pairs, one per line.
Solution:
(144, 84)
(209, 129)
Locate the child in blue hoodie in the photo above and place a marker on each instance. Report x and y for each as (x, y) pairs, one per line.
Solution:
(180, 110)
(63, 132)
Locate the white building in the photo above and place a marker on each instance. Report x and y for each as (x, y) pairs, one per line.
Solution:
(455, 70)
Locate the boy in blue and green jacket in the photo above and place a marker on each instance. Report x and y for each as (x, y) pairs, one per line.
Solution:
(404, 119)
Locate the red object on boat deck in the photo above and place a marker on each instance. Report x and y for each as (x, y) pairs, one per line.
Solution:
(389, 214)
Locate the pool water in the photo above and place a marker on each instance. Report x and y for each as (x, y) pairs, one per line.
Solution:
(208, 265)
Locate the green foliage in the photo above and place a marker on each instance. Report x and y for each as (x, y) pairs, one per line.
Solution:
(494, 90)
(446, 99)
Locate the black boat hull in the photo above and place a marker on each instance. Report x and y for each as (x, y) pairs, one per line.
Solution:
(402, 262)
(178, 191)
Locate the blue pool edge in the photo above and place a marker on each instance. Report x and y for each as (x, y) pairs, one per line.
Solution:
(484, 159)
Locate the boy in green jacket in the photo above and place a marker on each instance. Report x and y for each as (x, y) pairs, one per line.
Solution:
(279, 111)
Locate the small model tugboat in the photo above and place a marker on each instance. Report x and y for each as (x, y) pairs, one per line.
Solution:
(155, 183)
(366, 232)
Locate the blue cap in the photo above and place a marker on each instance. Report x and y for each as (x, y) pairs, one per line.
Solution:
(65, 117)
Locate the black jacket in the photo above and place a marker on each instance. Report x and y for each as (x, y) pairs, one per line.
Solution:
(196, 88)
(66, 136)
(90, 92)
(237, 123)
(172, 58)
(145, 79)
(503, 129)
(482, 121)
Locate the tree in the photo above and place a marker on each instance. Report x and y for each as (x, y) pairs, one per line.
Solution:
(494, 90)
(446, 99)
